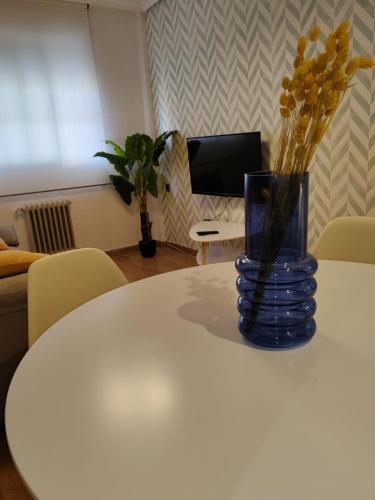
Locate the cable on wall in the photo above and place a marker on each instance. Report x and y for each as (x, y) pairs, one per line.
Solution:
(221, 213)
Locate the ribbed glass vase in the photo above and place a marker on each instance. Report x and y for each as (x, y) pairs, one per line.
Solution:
(275, 282)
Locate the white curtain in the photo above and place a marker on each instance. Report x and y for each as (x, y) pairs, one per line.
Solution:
(50, 116)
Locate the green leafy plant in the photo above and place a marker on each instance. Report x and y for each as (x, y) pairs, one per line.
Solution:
(135, 165)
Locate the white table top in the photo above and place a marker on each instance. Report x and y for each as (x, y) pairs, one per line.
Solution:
(227, 230)
(150, 393)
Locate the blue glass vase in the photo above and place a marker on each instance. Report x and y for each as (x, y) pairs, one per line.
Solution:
(276, 275)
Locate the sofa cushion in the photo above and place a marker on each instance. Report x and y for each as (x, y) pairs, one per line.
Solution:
(8, 234)
(14, 262)
(3, 245)
(13, 294)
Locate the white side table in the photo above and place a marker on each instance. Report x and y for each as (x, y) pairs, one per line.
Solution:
(227, 231)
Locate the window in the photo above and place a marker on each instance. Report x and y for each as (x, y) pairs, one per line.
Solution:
(50, 116)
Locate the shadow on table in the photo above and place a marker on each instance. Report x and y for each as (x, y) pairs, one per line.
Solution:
(214, 307)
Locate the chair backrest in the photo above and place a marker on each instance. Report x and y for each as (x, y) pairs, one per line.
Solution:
(349, 239)
(59, 283)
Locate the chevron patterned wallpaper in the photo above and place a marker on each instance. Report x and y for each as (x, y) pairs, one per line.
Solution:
(216, 68)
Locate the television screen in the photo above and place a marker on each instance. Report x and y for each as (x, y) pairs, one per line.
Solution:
(218, 163)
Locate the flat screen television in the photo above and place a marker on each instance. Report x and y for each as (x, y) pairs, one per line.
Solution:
(218, 163)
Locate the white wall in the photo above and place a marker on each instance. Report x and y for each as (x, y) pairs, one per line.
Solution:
(100, 218)
(119, 59)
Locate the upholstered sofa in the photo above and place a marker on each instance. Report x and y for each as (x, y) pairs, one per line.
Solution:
(13, 321)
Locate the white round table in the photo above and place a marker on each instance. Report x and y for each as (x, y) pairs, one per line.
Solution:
(149, 393)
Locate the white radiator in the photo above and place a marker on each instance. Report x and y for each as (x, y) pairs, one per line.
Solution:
(50, 225)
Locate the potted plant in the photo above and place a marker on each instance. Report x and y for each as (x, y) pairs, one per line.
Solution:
(137, 174)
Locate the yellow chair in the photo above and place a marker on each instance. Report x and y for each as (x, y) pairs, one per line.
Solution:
(349, 239)
(60, 283)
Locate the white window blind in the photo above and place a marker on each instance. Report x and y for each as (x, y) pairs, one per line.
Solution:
(50, 116)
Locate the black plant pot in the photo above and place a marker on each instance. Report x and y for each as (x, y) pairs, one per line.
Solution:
(147, 248)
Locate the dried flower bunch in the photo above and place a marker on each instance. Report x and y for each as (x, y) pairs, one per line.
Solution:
(310, 99)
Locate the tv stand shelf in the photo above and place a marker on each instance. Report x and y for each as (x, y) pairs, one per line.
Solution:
(227, 231)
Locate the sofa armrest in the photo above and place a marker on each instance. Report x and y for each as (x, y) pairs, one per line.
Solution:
(13, 294)
(13, 331)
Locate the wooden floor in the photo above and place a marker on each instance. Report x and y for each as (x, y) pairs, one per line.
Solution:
(135, 268)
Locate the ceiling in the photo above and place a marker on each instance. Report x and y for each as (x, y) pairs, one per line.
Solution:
(135, 5)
